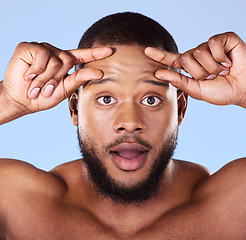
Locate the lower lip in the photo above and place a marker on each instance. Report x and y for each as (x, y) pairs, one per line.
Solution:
(129, 165)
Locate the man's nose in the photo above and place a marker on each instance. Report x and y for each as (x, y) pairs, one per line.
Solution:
(129, 118)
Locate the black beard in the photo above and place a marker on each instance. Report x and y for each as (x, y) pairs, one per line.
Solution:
(109, 188)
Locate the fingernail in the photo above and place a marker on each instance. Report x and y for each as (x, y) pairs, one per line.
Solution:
(31, 77)
(159, 75)
(225, 64)
(212, 76)
(49, 90)
(224, 73)
(34, 93)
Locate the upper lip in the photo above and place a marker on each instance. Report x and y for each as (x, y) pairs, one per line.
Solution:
(129, 146)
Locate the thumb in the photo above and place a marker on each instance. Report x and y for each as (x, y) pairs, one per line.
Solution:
(90, 54)
(78, 78)
(188, 85)
(167, 58)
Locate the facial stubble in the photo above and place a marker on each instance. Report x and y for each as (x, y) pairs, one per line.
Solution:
(108, 187)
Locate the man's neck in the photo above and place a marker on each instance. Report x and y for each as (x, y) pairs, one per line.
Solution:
(134, 216)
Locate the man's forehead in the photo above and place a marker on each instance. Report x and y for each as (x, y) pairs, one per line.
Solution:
(127, 57)
(128, 63)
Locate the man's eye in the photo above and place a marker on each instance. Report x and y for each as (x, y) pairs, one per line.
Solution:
(106, 100)
(151, 101)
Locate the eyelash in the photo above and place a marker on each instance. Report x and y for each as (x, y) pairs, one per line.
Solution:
(159, 101)
(101, 101)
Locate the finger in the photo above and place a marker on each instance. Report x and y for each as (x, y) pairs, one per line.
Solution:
(203, 55)
(79, 56)
(36, 56)
(90, 54)
(67, 59)
(182, 82)
(65, 62)
(164, 57)
(222, 44)
(75, 80)
(192, 66)
(40, 81)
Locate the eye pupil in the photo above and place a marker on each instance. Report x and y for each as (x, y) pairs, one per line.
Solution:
(150, 100)
(107, 99)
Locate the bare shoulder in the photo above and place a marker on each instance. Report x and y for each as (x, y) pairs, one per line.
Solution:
(22, 184)
(223, 196)
(228, 181)
(21, 176)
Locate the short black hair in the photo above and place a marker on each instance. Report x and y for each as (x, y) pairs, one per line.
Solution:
(128, 28)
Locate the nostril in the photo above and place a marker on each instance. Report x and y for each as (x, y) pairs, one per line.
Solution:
(121, 129)
(138, 129)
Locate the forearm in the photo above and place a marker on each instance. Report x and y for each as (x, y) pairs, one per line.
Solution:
(8, 110)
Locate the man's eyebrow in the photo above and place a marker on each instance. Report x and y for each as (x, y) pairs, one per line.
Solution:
(158, 83)
(101, 81)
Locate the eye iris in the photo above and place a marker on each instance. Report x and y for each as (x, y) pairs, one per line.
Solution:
(107, 99)
(150, 100)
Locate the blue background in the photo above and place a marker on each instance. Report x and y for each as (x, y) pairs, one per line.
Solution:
(210, 135)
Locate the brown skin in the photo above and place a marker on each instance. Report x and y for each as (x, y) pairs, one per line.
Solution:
(61, 204)
(129, 114)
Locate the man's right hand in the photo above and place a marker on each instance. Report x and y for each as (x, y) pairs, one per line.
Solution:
(37, 76)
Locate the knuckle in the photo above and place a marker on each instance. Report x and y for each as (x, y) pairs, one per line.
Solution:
(161, 56)
(54, 81)
(200, 50)
(197, 53)
(43, 51)
(55, 63)
(21, 45)
(38, 69)
(68, 61)
(212, 41)
(92, 53)
(39, 83)
(45, 44)
(34, 43)
(76, 76)
(232, 34)
(201, 76)
(183, 60)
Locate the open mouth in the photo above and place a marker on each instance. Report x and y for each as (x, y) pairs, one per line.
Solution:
(129, 156)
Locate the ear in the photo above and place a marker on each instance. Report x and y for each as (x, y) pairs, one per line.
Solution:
(182, 99)
(73, 107)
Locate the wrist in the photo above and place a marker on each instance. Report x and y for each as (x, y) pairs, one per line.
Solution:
(9, 109)
(242, 104)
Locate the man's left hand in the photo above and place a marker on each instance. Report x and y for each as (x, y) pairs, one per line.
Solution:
(217, 69)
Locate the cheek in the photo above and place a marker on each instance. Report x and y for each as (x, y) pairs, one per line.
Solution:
(94, 123)
(162, 123)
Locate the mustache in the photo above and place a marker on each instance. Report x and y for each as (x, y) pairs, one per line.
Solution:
(125, 139)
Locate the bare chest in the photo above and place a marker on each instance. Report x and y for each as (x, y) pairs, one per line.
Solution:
(54, 221)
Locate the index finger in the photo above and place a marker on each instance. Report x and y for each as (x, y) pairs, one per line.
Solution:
(90, 54)
(164, 57)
